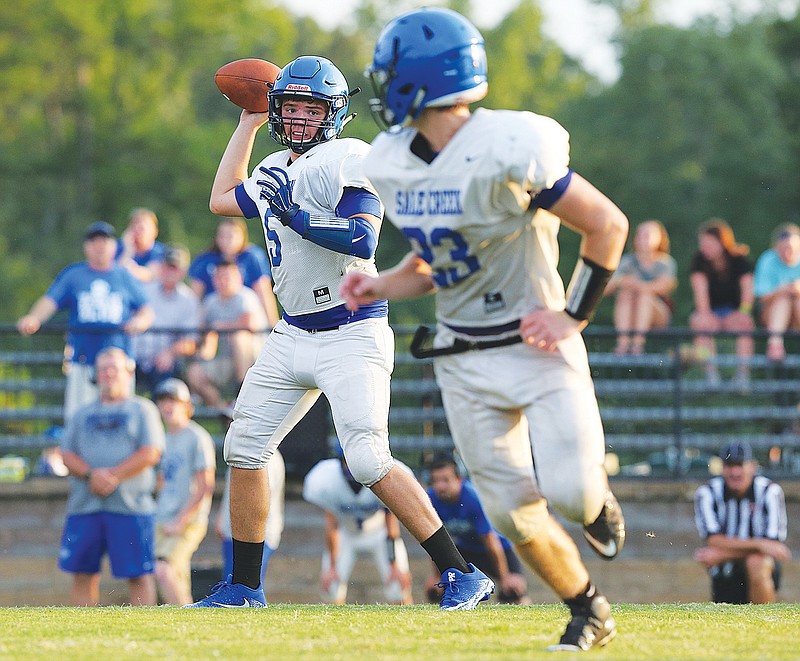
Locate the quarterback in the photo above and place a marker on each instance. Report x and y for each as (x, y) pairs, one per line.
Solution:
(321, 219)
(480, 197)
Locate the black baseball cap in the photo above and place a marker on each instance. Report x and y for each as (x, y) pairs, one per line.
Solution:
(736, 452)
(100, 228)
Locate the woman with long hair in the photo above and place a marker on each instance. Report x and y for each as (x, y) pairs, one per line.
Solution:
(722, 287)
(644, 281)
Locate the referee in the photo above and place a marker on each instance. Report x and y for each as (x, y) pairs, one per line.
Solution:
(742, 518)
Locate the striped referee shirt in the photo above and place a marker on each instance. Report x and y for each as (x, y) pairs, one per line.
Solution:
(761, 512)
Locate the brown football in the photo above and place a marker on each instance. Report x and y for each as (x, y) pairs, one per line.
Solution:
(247, 82)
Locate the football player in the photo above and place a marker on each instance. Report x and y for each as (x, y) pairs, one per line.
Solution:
(480, 197)
(321, 219)
(356, 523)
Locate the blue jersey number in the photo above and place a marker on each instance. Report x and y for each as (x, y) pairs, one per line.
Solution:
(459, 252)
(274, 247)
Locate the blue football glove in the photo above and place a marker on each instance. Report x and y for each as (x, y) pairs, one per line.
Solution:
(277, 191)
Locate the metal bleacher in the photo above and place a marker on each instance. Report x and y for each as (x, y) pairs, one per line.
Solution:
(657, 403)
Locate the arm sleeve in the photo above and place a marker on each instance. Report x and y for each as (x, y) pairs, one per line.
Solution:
(245, 202)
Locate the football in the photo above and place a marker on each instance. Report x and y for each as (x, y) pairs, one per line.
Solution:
(247, 82)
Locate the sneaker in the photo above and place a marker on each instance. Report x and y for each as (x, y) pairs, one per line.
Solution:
(607, 534)
(464, 591)
(232, 595)
(588, 629)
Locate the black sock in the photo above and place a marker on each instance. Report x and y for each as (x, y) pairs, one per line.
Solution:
(582, 602)
(444, 553)
(247, 563)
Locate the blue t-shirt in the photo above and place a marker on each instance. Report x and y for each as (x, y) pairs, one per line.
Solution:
(465, 520)
(96, 301)
(252, 262)
(155, 254)
(772, 272)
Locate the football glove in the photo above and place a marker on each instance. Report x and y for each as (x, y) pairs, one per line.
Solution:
(277, 191)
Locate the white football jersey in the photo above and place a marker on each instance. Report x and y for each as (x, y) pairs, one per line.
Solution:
(467, 215)
(326, 486)
(307, 276)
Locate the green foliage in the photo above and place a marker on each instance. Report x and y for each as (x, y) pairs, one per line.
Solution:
(693, 129)
(314, 632)
(110, 104)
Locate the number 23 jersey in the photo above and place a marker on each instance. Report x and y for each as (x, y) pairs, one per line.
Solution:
(467, 213)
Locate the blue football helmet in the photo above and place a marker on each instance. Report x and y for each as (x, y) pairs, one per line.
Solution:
(310, 77)
(426, 57)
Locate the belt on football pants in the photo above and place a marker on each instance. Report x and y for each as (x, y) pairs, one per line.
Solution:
(321, 330)
(419, 350)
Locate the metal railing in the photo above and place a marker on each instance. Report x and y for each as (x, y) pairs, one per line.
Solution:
(657, 408)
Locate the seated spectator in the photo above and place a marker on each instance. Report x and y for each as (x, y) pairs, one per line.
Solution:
(234, 321)
(173, 335)
(777, 287)
(722, 287)
(457, 503)
(643, 283)
(137, 250)
(185, 488)
(741, 516)
(231, 244)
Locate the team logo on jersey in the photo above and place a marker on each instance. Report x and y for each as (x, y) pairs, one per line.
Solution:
(493, 301)
(322, 295)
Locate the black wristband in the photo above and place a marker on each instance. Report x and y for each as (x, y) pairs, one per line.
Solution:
(88, 475)
(586, 288)
(391, 552)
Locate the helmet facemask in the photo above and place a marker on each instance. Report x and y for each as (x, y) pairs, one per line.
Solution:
(309, 78)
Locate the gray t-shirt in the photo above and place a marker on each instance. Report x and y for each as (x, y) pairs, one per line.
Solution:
(104, 435)
(188, 451)
(216, 309)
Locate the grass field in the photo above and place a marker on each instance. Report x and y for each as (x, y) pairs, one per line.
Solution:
(379, 633)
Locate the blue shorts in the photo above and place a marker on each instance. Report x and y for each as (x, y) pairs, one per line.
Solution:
(723, 311)
(129, 540)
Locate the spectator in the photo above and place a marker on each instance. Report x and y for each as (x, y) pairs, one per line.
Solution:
(276, 469)
(110, 448)
(105, 303)
(173, 335)
(644, 283)
(185, 489)
(356, 523)
(742, 518)
(235, 321)
(231, 245)
(722, 287)
(137, 250)
(457, 502)
(777, 287)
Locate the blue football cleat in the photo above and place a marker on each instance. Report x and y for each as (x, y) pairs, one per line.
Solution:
(232, 595)
(464, 591)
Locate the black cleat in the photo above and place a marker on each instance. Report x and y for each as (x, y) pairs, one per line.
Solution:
(588, 629)
(607, 534)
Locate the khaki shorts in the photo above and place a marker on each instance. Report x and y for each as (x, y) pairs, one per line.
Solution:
(178, 550)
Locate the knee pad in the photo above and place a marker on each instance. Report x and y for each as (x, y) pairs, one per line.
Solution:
(367, 464)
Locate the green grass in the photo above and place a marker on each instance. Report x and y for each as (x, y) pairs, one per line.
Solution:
(381, 633)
